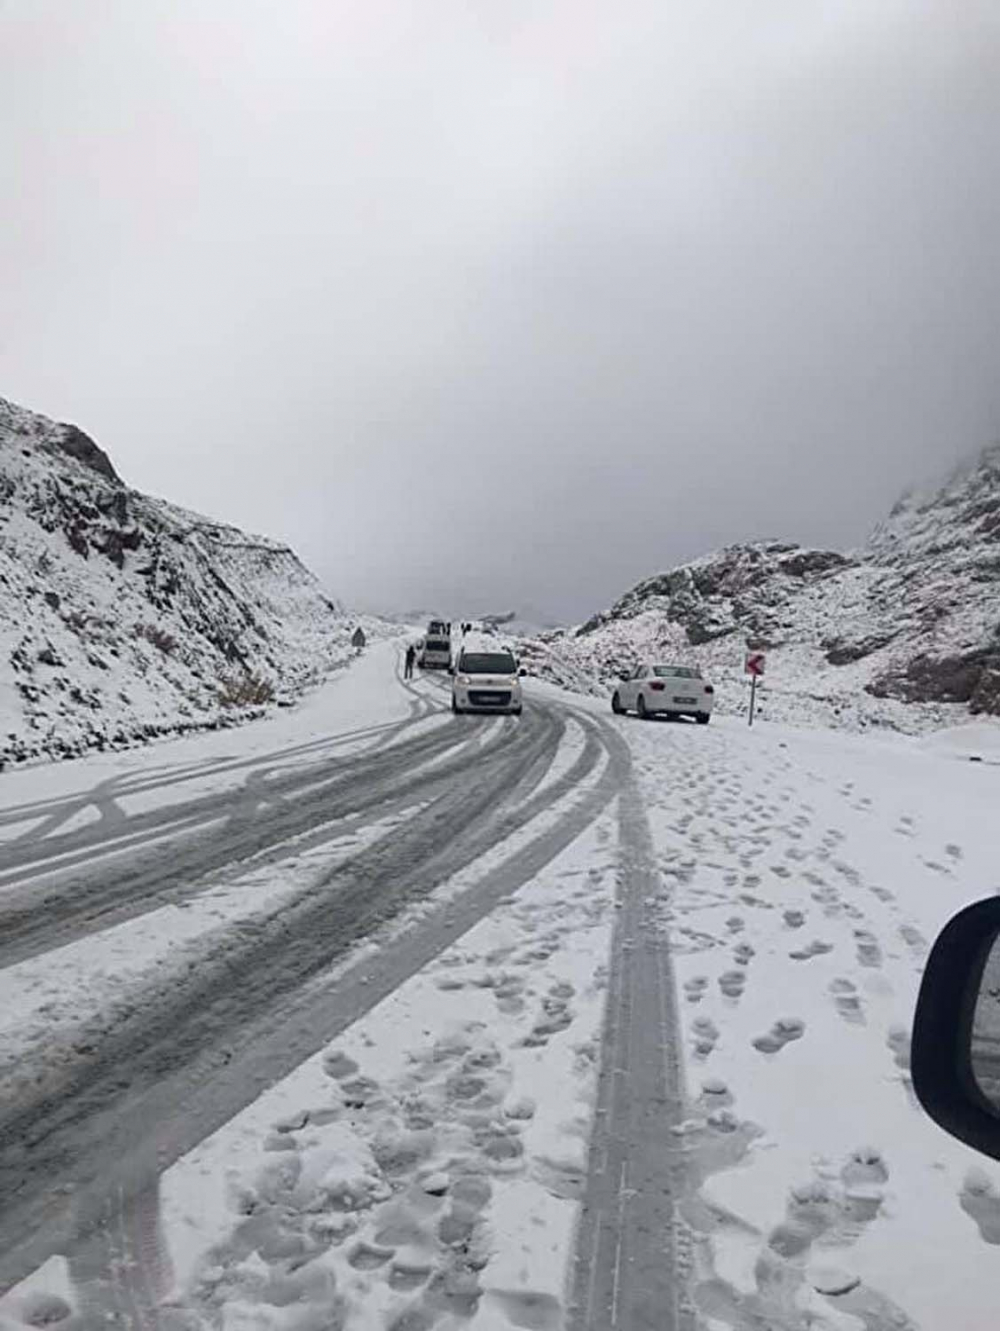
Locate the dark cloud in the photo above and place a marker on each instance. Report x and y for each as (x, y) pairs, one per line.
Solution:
(488, 305)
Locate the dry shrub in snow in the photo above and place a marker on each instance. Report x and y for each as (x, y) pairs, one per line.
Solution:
(166, 642)
(246, 691)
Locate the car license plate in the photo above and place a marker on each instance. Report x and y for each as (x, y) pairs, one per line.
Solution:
(687, 701)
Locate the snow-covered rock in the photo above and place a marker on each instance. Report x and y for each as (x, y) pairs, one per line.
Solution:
(123, 616)
(913, 617)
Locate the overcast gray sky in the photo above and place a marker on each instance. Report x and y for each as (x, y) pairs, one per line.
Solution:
(497, 303)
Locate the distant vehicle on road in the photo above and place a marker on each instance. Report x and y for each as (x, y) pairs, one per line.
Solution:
(670, 690)
(435, 651)
(486, 682)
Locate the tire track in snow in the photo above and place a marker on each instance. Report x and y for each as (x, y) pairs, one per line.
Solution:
(190, 1063)
(54, 813)
(626, 1276)
(66, 905)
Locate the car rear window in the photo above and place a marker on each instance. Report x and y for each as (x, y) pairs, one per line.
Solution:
(488, 663)
(676, 672)
(438, 645)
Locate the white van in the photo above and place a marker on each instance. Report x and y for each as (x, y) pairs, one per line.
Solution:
(435, 654)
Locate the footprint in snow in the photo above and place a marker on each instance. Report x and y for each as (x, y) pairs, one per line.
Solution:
(954, 851)
(980, 1199)
(528, 1308)
(784, 1030)
(816, 948)
(732, 983)
(866, 1307)
(742, 953)
(898, 1040)
(795, 919)
(336, 1064)
(408, 1273)
(913, 939)
(368, 1256)
(556, 1015)
(507, 993)
(864, 1168)
(694, 989)
(706, 1036)
(847, 1001)
(869, 950)
(847, 871)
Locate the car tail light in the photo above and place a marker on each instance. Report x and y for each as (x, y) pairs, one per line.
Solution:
(658, 686)
(709, 689)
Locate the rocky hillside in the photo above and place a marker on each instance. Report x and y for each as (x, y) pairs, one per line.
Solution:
(122, 617)
(904, 632)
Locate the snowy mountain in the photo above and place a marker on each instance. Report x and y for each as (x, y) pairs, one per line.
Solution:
(904, 632)
(122, 616)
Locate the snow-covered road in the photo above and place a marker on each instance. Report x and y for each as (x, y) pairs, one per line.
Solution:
(372, 1017)
(193, 941)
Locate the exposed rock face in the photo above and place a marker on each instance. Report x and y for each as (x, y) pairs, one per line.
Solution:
(911, 618)
(80, 446)
(35, 432)
(971, 678)
(122, 616)
(744, 589)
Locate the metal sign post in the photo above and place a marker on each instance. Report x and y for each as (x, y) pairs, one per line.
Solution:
(754, 667)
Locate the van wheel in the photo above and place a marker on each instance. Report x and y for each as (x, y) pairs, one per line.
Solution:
(455, 707)
(703, 718)
(616, 704)
(640, 709)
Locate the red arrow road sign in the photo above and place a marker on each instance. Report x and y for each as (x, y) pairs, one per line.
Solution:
(754, 664)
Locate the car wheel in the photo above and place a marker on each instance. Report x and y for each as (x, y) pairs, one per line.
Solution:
(516, 711)
(455, 707)
(640, 709)
(703, 718)
(616, 704)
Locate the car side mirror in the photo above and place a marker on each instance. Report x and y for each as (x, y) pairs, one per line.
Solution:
(955, 1052)
(623, 675)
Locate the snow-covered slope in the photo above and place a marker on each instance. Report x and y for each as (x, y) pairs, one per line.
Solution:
(122, 616)
(903, 632)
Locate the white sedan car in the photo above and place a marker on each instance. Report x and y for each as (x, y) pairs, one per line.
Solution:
(674, 690)
(486, 682)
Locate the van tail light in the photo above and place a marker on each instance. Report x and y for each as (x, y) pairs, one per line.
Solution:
(709, 689)
(658, 686)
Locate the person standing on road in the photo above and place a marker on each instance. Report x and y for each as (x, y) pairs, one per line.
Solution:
(411, 655)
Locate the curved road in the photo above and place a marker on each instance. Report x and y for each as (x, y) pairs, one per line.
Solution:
(94, 1131)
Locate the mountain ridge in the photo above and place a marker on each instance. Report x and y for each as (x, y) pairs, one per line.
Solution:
(910, 617)
(124, 616)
